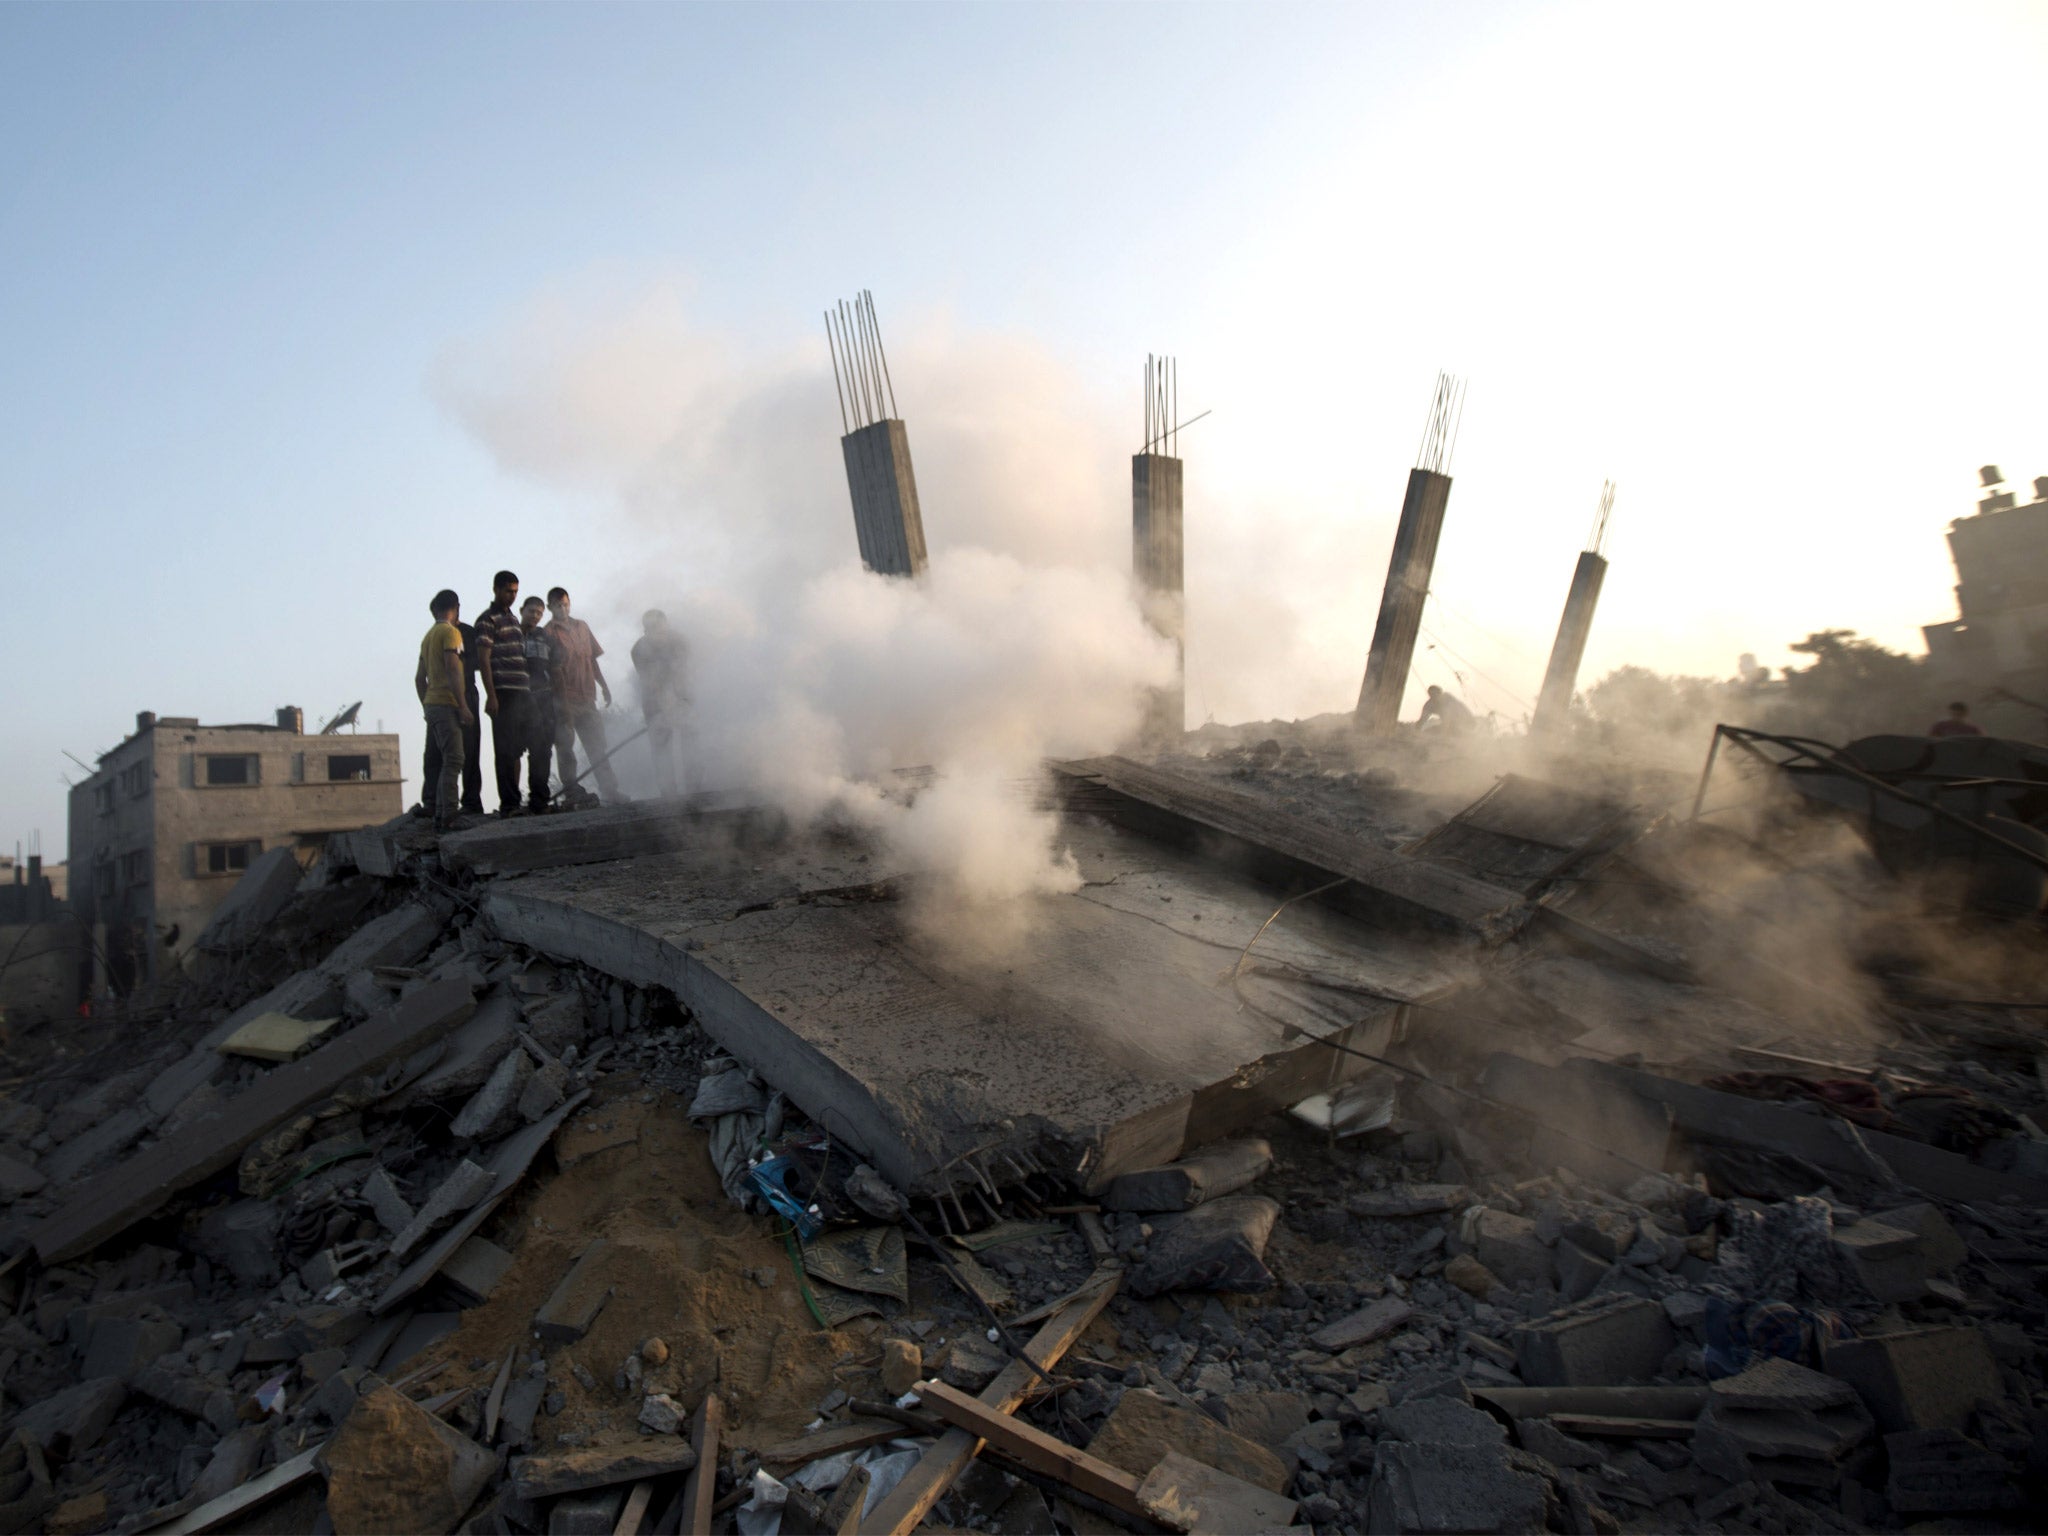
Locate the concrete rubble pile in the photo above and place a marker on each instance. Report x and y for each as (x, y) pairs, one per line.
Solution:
(387, 1222)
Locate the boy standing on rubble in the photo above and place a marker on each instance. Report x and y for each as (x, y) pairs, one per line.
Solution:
(443, 694)
(658, 663)
(578, 677)
(501, 657)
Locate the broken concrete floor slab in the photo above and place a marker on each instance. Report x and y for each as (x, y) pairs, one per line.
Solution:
(110, 1202)
(1116, 1048)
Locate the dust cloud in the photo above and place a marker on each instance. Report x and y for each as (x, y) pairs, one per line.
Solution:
(810, 679)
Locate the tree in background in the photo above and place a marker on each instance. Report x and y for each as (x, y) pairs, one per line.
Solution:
(1854, 687)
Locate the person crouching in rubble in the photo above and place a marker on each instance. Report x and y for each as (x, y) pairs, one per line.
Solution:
(540, 702)
(658, 663)
(577, 678)
(439, 681)
(1448, 709)
(1957, 723)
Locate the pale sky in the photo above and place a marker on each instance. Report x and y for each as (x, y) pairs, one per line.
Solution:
(307, 311)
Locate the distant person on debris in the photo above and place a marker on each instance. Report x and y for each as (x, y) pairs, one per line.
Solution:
(1447, 708)
(502, 660)
(578, 677)
(444, 697)
(540, 694)
(658, 662)
(1958, 723)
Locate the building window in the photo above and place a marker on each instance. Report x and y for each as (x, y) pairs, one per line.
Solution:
(104, 881)
(340, 768)
(238, 769)
(103, 798)
(226, 858)
(135, 780)
(135, 867)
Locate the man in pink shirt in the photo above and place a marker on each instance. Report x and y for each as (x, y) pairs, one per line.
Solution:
(578, 679)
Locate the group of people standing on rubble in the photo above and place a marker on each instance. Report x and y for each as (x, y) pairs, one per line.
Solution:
(541, 683)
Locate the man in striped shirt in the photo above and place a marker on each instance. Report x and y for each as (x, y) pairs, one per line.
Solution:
(501, 661)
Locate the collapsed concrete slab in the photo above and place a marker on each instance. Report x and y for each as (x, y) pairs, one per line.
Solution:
(133, 1189)
(266, 885)
(1383, 887)
(604, 833)
(1112, 1037)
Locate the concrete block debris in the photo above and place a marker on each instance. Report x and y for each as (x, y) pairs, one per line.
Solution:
(573, 1305)
(392, 1466)
(1217, 1246)
(465, 1184)
(1792, 1424)
(1605, 1341)
(1215, 1171)
(1943, 1472)
(1920, 1378)
(1144, 1427)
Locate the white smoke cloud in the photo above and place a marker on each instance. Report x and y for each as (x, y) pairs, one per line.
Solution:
(811, 678)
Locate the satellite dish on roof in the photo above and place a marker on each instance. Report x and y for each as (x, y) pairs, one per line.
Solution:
(346, 717)
(1990, 475)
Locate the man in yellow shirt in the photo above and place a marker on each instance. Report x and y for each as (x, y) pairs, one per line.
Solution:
(444, 696)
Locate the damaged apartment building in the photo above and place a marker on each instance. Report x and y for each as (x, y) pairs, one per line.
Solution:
(170, 819)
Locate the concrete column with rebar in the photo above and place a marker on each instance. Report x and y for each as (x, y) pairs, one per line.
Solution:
(1561, 677)
(1156, 564)
(1412, 563)
(887, 520)
(1401, 601)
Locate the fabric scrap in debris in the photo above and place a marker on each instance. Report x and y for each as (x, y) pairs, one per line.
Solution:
(861, 1259)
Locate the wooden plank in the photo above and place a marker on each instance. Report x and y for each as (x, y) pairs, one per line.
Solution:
(843, 1509)
(1383, 884)
(912, 1499)
(495, 1403)
(604, 1466)
(855, 1436)
(109, 1203)
(701, 1489)
(237, 1502)
(634, 1515)
(1036, 1449)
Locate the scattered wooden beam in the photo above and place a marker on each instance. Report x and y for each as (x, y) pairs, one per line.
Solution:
(635, 1513)
(702, 1487)
(1035, 1448)
(543, 1477)
(923, 1485)
(237, 1502)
